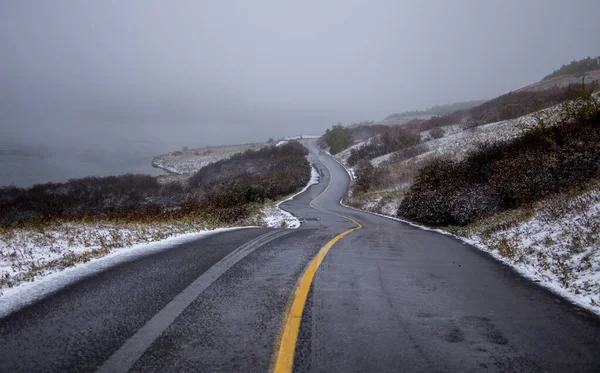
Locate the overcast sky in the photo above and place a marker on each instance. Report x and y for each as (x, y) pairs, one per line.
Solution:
(211, 72)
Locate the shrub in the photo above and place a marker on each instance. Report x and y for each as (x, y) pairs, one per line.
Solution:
(253, 176)
(508, 174)
(364, 176)
(437, 133)
(337, 138)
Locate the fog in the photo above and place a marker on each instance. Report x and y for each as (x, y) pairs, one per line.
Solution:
(173, 73)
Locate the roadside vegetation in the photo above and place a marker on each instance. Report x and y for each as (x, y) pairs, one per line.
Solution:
(503, 175)
(337, 138)
(56, 225)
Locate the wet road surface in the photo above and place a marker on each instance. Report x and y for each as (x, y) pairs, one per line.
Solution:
(385, 298)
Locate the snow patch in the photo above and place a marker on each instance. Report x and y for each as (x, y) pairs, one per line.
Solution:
(301, 137)
(276, 217)
(26, 293)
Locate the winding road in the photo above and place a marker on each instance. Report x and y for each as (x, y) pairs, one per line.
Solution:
(346, 292)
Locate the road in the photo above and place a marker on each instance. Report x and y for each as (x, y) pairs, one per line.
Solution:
(384, 297)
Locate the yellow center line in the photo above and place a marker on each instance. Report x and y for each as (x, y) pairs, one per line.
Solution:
(288, 335)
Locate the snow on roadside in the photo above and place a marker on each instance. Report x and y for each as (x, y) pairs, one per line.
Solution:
(274, 216)
(27, 254)
(557, 246)
(349, 170)
(12, 299)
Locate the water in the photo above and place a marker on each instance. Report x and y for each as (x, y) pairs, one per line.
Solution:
(25, 165)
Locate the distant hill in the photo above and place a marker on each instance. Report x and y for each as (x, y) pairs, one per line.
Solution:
(436, 110)
(563, 81)
(576, 67)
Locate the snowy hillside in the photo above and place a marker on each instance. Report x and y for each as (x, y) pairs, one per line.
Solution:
(563, 81)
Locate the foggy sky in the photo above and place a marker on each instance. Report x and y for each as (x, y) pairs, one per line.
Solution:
(212, 72)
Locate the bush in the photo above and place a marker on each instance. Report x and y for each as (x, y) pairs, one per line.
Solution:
(509, 174)
(253, 176)
(437, 133)
(364, 176)
(337, 138)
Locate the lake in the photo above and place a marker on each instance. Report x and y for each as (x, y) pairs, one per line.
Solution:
(23, 165)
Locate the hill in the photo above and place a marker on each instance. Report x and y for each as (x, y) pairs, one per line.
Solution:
(576, 68)
(435, 110)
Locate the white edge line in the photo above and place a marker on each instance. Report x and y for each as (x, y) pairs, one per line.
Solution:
(26, 293)
(310, 183)
(132, 350)
(352, 177)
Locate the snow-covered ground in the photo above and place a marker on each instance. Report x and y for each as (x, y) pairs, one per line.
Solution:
(457, 142)
(557, 244)
(301, 137)
(563, 81)
(28, 254)
(26, 293)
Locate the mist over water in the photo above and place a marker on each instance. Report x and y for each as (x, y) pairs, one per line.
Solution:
(24, 164)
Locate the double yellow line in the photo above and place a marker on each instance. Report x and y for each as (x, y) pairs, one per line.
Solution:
(288, 334)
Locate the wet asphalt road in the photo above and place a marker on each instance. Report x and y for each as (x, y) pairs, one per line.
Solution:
(386, 298)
